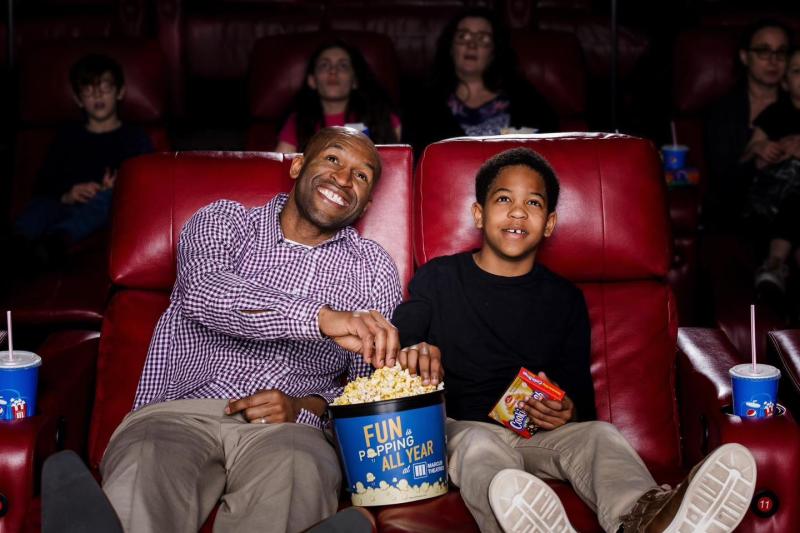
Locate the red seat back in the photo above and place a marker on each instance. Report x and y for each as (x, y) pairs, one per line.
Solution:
(277, 73)
(46, 99)
(155, 196)
(612, 240)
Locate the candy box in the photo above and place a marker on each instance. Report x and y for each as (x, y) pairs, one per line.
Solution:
(525, 385)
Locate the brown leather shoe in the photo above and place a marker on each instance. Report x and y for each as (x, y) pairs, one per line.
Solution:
(714, 497)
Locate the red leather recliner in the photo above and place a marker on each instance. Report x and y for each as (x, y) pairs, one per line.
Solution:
(76, 293)
(612, 240)
(784, 352)
(277, 73)
(156, 195)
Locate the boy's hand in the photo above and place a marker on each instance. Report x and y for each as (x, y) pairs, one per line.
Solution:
(273, 406)
(549, 414)
(425, 359)
(364, 332)
(80, 193)
(109, 179)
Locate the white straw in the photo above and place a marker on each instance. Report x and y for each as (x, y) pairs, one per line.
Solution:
(10, 337)
(753, 336)
(674, 133)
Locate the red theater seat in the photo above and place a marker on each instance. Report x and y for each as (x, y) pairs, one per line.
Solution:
(277, 73)
(142, 267)
(784, 352)
(613, 241)
(76, 293)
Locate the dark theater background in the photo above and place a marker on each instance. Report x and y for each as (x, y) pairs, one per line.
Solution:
(218, 77)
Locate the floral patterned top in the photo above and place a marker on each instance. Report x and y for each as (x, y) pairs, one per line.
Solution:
(487, 119)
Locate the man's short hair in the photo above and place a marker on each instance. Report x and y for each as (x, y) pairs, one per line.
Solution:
(88, 70)
(513, 157)
(746, 39)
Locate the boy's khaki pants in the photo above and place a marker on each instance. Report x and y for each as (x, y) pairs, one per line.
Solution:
(168, 464)
(593, 457)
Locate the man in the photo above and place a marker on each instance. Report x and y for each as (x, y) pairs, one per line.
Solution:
(269, 309)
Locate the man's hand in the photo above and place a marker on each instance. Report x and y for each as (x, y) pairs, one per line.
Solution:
(364, 332)
(271, 406)
(549, 414)
(425, 359)
(80, 193)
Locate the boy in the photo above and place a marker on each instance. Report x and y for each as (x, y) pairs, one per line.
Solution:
(75, 183)
(479, 308)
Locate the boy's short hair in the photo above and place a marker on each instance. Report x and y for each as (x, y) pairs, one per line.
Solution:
(513, 157)
(746, 38)
(88, 70)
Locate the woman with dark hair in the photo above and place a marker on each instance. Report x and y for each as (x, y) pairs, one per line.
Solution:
(477, 89)
(339, 90)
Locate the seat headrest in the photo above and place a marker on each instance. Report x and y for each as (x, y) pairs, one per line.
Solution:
(704, 68)
(156, 194)
(278, 63)
(612, 214)
(46, 95)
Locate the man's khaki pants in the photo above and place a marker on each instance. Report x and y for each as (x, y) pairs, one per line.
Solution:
(593, 457)
(168, 464)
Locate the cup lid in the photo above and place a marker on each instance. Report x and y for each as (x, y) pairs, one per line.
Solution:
(22, 359)
(762, 371)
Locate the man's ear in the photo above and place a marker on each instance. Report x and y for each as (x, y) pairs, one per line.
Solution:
(550, 225)
(364, 212)
(477, 215)
(121, 93)
(296, 167)
(743, 57)
(311, 81)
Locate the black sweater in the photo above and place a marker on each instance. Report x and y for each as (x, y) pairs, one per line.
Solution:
(489, 326)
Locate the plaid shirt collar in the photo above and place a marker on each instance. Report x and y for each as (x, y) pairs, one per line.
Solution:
(274, 207)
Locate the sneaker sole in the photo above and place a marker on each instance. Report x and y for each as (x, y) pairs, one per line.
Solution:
(522, 503)
(719, 495)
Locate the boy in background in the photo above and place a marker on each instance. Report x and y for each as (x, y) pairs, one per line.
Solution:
(496, 309)
(75, 184)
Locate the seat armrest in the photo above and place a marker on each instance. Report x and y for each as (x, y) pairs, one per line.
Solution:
(704, 397)
(786, 347)
(22, 442)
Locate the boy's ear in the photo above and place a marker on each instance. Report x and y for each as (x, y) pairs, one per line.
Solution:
(550, 225)
(121, 93)
(477, 215)
(296, 167)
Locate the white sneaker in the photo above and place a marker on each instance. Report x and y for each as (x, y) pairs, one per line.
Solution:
(523, 503)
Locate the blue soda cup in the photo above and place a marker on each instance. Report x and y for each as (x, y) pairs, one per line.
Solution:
(755, 393)
(674, 156)
(19, 378)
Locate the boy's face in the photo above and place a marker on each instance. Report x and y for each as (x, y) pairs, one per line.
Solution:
(514, 218)
(793, 76)
(100, 99)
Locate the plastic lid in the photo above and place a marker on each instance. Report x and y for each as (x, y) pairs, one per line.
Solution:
(745, 370)
(22, 359)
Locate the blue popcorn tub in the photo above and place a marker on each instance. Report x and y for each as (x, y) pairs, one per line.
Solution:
(393, 451)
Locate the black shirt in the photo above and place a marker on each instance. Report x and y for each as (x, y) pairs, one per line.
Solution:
(779, 119)
(489, 326)
(78, 156)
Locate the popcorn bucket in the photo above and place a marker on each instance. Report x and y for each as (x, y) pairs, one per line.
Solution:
(393, 451)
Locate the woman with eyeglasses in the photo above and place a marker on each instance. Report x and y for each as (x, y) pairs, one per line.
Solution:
(339, 90)
(477, 89)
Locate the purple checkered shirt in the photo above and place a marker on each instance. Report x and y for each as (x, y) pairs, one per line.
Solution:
(243, 314)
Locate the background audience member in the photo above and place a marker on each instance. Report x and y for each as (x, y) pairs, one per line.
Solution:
(762, 52)
(775, 195)
(340, 89)
(75, 183)
(477, 89)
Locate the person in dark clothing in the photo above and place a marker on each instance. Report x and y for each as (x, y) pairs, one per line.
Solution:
(75, 184)
(729, 127)
(494, 310)
(476, 89)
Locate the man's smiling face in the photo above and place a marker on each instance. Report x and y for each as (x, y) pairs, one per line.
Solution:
(335, 178)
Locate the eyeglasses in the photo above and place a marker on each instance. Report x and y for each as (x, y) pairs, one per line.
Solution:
(481, 38)
(325, 67)
(764, 53)
(103, 86)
